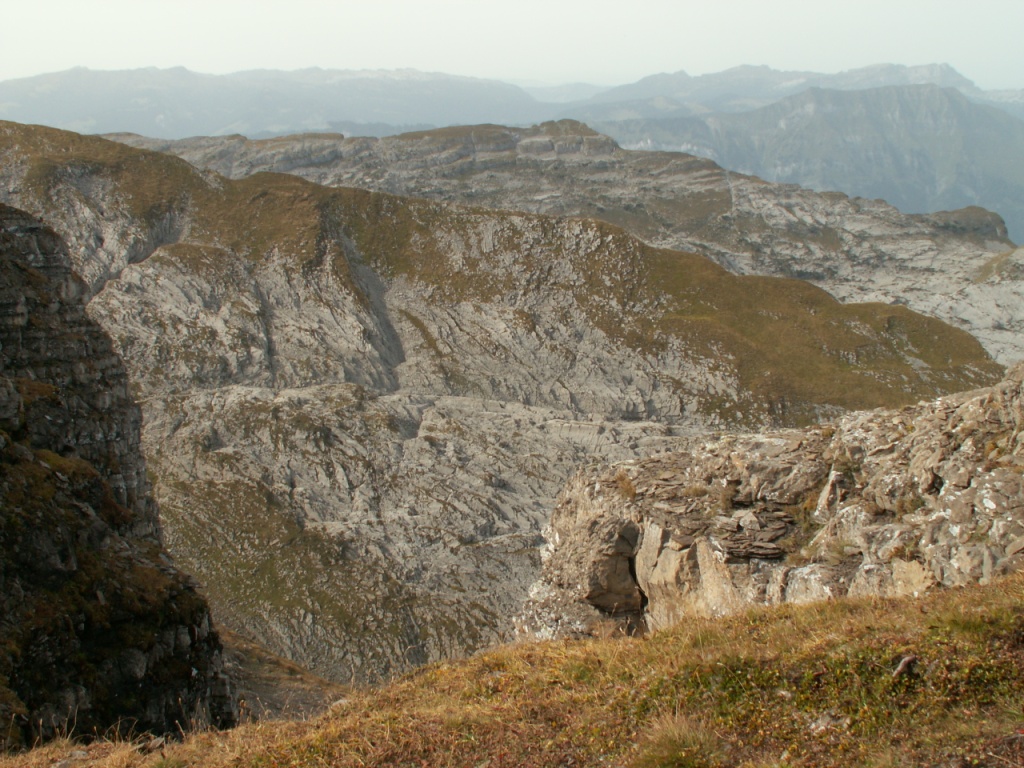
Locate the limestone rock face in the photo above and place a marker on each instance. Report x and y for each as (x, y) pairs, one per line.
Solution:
(958, 266)
(884, 503)
(360, 408)
(98, 629)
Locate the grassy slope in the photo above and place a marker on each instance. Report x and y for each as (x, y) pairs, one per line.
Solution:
(813, 685)
(789, 343)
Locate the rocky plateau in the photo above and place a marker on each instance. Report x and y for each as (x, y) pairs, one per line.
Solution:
(958, 266)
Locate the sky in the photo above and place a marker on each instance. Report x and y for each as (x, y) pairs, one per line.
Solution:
(606, 42)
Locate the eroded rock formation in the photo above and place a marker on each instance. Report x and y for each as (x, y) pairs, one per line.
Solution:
(958, 266)
(360, 408)
(882, 503)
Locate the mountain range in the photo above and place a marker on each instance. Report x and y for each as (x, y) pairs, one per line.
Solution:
(959, 266)
(872, 132)
(177, 103)
(399, 399)
(744, 88)
(921, 148)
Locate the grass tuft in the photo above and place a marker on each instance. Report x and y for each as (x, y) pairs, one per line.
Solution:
(676, 742)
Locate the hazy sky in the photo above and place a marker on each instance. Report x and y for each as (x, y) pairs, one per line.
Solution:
(553, 41)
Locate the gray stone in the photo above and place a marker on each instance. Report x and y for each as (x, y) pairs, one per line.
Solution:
(375, 434)
(857, 249)
(875, 529)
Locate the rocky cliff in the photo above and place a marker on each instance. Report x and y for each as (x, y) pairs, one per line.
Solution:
(360, 408)
(98, 630)
(886, 502)
(958, 266)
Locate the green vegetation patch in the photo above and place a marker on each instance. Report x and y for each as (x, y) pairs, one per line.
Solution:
(795, 346)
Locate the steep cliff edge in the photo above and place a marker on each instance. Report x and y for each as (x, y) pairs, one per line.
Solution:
(98, 630)
(360, 408)
(884, 503)
(958, 266)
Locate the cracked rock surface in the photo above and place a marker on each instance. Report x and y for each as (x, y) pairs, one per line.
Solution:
(884, 503)
(359, 408)
(958, 266)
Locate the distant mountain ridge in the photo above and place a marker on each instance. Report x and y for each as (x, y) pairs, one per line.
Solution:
(919, 147)
(178, 102)
(747, 87)
(880, 146)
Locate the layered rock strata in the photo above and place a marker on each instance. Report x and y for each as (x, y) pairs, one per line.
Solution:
(882, 503)
(98, 630)
(958, 266)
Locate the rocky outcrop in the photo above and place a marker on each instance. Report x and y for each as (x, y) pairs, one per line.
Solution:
(882, 503)
(958, 266)
(360, 408)
(98, 630)
(71, 384)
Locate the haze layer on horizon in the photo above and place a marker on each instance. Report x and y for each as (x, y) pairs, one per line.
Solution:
(529, 41)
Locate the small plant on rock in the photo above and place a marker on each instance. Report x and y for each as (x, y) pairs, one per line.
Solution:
(625, 485)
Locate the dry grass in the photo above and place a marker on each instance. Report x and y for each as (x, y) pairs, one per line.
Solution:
(677, 742)
(796, 686)
(795, 345)
(625, 485)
